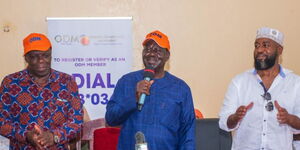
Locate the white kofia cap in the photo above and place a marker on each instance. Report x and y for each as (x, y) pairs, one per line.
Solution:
(270, 33)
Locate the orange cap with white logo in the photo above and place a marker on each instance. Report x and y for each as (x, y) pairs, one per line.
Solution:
(159, 38)
(36, 41)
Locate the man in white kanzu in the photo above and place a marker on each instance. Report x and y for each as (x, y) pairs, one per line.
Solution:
(262, 105)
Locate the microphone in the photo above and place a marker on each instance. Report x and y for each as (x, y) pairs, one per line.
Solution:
(148, 75)
(140, 141)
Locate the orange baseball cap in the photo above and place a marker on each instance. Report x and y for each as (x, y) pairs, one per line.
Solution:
(159, 38)
(198, 113)
(36, 41)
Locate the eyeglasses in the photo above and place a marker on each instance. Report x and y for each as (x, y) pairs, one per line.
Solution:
(269, 106)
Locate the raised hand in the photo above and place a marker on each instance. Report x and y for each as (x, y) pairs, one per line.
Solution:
(238, 115)
(242, 110)
(143, 86)
(282, 116)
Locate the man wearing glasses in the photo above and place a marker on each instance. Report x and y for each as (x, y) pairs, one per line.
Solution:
(262, 105)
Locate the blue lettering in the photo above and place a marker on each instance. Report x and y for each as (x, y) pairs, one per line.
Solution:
(100, 83)
(34, 39)
(79, 76)
(156, 34)
(88, 81)
(109, 85)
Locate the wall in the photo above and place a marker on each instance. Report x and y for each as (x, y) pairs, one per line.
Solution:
(211, 40)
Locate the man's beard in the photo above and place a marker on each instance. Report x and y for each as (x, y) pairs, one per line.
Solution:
(267, 63)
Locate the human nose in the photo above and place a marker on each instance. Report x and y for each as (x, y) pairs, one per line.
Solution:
(260, 49)
(41, 58)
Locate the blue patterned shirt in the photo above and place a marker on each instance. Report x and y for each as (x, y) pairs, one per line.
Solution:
(55, 107)
(167, 118)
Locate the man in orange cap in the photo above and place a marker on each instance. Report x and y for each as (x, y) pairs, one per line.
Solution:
(165, 119)
(40, 107)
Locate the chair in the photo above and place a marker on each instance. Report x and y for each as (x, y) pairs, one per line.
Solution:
(210, 137)
(106, 138)
(88, 131)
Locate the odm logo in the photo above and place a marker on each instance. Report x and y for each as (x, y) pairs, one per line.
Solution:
(35, 39)
(85, 40)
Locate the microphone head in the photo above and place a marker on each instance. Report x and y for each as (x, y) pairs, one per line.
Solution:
(139, 137)
(149, 72)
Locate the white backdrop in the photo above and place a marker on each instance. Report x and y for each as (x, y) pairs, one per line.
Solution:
(4, 143)
(96, 51)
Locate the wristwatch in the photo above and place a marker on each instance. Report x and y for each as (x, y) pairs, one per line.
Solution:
(56, 139)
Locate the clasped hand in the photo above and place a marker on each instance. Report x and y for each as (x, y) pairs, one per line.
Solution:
(40, 139)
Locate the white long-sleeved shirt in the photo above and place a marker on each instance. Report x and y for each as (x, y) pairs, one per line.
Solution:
(296, 145)
(260, 129)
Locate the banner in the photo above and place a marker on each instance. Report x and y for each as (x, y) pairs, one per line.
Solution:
(4, 143)
(96, 52)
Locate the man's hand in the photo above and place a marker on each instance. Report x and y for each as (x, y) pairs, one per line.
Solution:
(143, 87)
(238, 115)
(45, 138)
(283, 116)
(32, 138)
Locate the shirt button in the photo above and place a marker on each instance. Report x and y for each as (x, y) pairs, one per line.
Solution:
(262, 148)
(265, 120)
(264, 134)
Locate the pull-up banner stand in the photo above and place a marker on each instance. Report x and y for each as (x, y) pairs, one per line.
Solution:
(96, 52)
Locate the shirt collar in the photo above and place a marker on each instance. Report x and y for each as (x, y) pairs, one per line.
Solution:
(282, 71)
(27, 77)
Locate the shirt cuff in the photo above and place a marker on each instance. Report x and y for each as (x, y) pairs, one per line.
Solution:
(223, 124)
